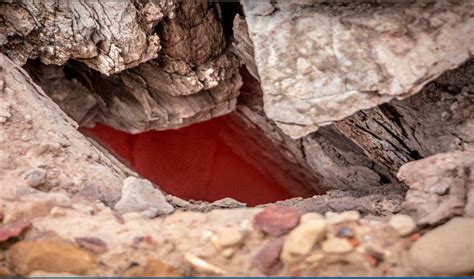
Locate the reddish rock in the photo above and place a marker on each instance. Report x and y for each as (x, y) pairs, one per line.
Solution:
(12, 230)
(277, 220)
(268, 259)
(94, 244)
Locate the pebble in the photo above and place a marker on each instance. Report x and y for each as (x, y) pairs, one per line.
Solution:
(336, 245)
(226, 237)
(228, 252)
(277, 220)
(49, 255)
(311, 216)
(93, 244)
(403, 224)
(152, 268)
(139, 195)
(35, 177)
(267, 260)
(447, 249)
(8, 231)
(301, 240)
(201, 265)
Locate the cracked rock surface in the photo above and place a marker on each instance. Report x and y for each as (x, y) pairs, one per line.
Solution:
(312, 74)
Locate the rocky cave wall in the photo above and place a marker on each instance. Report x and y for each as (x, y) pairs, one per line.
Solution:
(372, 110)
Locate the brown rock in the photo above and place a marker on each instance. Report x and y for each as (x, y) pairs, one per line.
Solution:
(277, 220)
(153, 268)
(50, 256)
(93, 244)
(267, 259)
(12, 230)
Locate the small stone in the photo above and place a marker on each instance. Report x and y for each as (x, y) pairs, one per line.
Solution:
(93, 244)
(57, 212)
(311, 216)
(301, 240)
(49, 255)
(152, 268)
(277, 220)
(228, 252)
(336, 218)
(226, 237)
(35, 177)
(201, 265)
(139, 195)
(337, 245)
(228, 203)
(8, 231)
(447, 249)
(403, 224)
(267, 260)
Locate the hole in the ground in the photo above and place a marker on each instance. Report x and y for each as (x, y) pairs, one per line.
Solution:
(205, 161)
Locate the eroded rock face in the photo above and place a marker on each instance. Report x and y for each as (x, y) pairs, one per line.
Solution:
(38, 135)
(441, 187)
(108, 36)
(323, 62)
(194, 79)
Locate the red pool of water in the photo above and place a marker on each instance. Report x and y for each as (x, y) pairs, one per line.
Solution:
(204, 161)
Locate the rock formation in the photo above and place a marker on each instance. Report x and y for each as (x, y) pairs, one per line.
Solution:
(362, 111)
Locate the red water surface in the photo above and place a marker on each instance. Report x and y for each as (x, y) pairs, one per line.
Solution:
(203, 161)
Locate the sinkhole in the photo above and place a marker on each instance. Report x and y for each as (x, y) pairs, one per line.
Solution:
(206, 161)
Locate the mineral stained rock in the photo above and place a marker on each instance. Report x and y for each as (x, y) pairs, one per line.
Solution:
(319, 63)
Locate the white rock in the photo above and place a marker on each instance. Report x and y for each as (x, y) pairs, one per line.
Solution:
(139, 195)
(201, 265)
(446, 250)
(226, 237)
(301, 239)
(403, 224)
(336, 245)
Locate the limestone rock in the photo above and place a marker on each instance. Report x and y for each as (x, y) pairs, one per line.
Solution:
(139, 195)
(49, 255)
(439, 186)
(70, 158)
(310, 77)
(403, 224)
(336, 245)
(446, 250)
(226, 237)
(301, 239)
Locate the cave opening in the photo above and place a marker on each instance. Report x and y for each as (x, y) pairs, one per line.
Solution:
(205, 161)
